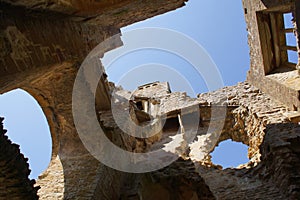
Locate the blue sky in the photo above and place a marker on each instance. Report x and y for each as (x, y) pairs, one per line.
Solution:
(218, 26)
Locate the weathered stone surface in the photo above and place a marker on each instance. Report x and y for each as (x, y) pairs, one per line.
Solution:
(116, 13)
(263, 50)
(252, 117)
(42, 46)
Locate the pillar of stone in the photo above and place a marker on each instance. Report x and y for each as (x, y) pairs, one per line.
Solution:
(73, 172)
(296, 23)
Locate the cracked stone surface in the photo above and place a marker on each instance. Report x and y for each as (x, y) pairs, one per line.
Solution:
(261, 112)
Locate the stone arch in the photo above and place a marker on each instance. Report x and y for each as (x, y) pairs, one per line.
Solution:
(71, 163)
(50, 117)
(53, 176)
(32, 132)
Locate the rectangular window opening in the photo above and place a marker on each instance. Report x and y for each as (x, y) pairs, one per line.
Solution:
(171, 124)
(292, 56)
(288, 20)
(139, 105)
(278, 40)
(290, 39)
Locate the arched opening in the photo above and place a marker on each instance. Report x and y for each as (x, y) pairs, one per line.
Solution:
(27, 126)
(229, 154)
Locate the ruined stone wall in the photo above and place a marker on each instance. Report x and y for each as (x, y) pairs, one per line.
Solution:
(255, 114)
(280, 155)
(43, 44)
(256, 46)
(252, 117)
(261, 50)
(254, 111)
(256, 120)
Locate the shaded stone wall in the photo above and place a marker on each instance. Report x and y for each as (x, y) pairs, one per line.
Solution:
(280, 156)
(34, 40)
(43, 44)
(104, 13)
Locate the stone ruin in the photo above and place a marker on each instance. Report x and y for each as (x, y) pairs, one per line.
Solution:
(43, 44)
